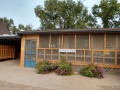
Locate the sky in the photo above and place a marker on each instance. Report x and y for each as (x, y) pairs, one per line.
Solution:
(22, 11)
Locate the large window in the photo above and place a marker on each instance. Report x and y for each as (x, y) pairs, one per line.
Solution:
(82, 41)
(55, 41)
(97, 41)
(111, 41)
(44, 41)
(68, 41)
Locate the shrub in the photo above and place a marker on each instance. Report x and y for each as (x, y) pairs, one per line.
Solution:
(64, 68)
(92, 70)
(45, 67)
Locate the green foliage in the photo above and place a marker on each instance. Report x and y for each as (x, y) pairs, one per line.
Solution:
(92, 71)
(45, 67)
(8, 22)
(109, 12)
(64, 68)
(64, 14)
(23, 27)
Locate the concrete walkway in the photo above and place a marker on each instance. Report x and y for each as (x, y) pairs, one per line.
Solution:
(11, 72)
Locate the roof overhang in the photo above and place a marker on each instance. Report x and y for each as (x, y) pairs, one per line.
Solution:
(69, 31)
(10, 37)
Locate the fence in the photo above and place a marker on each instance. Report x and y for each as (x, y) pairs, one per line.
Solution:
(7, 51)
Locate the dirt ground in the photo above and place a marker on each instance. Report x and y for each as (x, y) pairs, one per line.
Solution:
(12, 77)
(13, 86)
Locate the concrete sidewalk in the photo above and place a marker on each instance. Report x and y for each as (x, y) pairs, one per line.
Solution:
(11, 72)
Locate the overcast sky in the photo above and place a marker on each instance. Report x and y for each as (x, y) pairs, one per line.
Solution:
(22, 11)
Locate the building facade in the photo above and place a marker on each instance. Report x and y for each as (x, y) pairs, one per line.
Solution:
(80, 47)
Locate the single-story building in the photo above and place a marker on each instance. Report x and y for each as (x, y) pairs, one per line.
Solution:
(80, 47)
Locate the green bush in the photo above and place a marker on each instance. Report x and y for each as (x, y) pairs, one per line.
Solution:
(92, 70)
(45, 67)
(64, 68)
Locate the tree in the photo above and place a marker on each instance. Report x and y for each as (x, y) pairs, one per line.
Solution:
(109, 12)
(64, 14)
(8, 22)
(14, 29)
(23, 27)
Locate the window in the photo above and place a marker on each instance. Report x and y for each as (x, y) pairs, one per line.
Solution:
(97, 42)
(55, 41)
(111, 41)
(68, 41)
(82, 41)
(44, 41)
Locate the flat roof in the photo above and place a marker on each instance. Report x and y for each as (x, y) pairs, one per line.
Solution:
(70, 31)
(10, 37)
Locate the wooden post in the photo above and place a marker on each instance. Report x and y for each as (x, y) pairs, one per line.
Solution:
(22, 51)
(89, 40)
(62, 41)
(117, 41)
(84, 56)
(75, 46)
(104, 48)
(92, 56)
(104, 41)
(37, 46)
(51, 53)
(44, 53)
(115, 57)
(50, 41)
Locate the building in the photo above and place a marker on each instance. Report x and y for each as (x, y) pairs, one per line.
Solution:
(9, 44)
(80, 47)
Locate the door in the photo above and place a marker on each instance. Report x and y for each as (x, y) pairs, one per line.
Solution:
(30, 53)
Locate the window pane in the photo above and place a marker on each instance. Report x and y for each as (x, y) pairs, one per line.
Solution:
(55, 41)
(27, 50)
(55, 54)
(33, 57)
(48, 54)
(110, 41)
(88, 56)
(44, 41)
(27, 57)
(63, 55)
(41, 54)
(33, 43)
(97, 41)
(71, 56)
(109, 57)
(82, 41)
(98, 57)
(33, 49)
(69, 41)
(80, 56)
(27, 43)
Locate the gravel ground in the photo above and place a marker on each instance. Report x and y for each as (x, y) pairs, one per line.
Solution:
(12, 77)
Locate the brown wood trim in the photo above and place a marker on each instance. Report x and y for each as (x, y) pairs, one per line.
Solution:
(89, 40)
(75, 42)
(104, 41)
